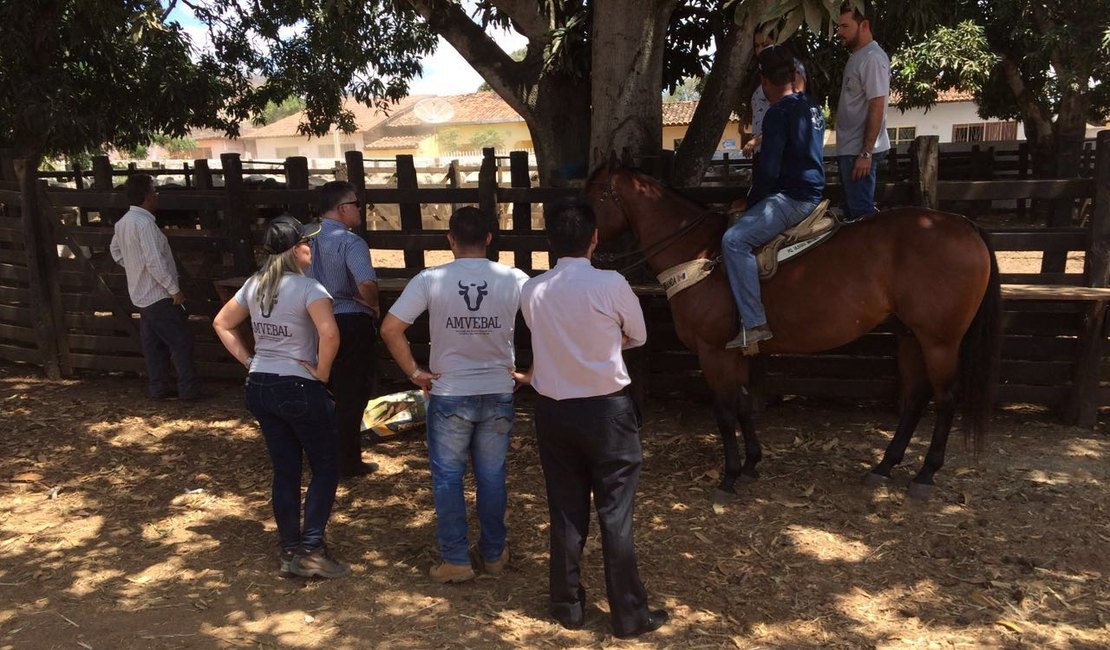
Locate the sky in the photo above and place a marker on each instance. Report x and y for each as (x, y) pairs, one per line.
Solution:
(445, 72)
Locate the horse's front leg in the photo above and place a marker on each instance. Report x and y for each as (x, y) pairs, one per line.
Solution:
(724, 411)
(753, 451)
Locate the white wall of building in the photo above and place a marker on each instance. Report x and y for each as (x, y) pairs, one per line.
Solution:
(940, 119)
(282, 148)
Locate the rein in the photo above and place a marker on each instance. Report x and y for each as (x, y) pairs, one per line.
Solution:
(610, 194)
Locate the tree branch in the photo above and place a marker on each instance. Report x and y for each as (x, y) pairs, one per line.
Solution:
(525, 17)
(498, 69)
(723, 86)
(1032, 110)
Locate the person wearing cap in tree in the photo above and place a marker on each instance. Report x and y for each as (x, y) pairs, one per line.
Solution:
(295, 342)
(786, 187)
(341, 262)
(759, 104)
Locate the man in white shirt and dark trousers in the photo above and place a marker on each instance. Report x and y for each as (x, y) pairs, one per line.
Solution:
(140, 247)
(587, 427)
(472, 305)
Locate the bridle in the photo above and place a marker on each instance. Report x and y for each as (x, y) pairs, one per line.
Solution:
(609, 193)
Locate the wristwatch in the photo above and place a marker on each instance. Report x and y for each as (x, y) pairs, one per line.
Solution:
(865, 155)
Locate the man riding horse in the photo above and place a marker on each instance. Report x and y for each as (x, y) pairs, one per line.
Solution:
(786, 187)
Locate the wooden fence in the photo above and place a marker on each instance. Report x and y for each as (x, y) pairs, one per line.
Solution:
(64, 303)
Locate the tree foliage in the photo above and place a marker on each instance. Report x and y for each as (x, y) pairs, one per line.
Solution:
(321, 50)
(82, 75)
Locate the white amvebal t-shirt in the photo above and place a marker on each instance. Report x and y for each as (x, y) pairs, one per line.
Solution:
(285, 335)
(472, 305)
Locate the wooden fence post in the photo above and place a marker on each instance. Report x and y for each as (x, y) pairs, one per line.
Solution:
(40, 251)
(356, 175)
(79, 183)
(411, 219)
(202, 180)
(924, 163)
(1023, 173)
(236, 218)
(102, 179)
(487, 198)
(453, 180)
(296, 178)
(1083, 402)
(522, 211)
(188, 174)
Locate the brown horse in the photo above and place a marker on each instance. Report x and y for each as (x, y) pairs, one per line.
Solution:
(931, 271)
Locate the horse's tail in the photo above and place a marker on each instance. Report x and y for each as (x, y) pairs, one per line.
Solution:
(979, 360)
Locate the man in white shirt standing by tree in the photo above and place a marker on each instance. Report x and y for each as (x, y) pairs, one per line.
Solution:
(861, 138)
(472, 305)
(144, 252)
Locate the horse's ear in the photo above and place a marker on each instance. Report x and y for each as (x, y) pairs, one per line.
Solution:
(613, 162)
(626, 157)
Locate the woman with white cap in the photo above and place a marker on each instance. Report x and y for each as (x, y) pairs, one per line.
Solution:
(295, 341)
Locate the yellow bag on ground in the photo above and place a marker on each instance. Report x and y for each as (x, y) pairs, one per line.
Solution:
(395, 413)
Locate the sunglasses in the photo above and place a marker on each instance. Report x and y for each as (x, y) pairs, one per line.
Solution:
(357, 204)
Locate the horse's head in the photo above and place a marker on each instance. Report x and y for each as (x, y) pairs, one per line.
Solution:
(603, 196)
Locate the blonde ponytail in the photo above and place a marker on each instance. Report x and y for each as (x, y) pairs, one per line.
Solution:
(269, 278)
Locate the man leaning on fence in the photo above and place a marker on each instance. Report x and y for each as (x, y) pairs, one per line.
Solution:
(341, 262)
(140, 247)
(471, 304)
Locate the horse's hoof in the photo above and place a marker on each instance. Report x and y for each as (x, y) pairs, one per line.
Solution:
(921, 491)
(749, 478)
(723, 497)
(871, 479)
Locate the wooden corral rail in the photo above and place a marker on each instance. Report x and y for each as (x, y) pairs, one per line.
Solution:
(64, 303)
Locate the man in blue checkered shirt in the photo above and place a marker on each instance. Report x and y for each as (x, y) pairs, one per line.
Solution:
(341, 262)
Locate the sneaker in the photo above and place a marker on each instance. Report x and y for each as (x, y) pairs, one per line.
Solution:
(750, 337)
(445, 572)
(318, 563)
(286, 559)
(497, 567)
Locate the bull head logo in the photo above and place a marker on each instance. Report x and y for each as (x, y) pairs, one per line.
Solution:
(481, 291)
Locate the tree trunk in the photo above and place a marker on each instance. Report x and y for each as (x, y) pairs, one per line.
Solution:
(560, 128)
(627, 75)
(724, 86)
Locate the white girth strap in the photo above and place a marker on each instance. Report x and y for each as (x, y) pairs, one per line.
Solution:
(686, 275)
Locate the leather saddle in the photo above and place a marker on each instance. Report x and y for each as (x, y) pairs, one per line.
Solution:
(811, 231)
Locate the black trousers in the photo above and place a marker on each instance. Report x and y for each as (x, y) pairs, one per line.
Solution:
(351, 382)
(165, 335)
(592, 446)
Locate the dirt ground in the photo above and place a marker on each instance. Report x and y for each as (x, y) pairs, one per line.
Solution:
(128, 523)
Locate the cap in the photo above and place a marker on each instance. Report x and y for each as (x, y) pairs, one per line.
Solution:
(776, 59)
(285, 232)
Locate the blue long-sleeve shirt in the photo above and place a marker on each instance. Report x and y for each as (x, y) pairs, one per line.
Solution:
(791, 158)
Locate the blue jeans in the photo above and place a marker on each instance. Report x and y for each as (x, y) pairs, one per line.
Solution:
(296, 418)
(859, 196)
(477, 426)
(165, 335)
(759, 225)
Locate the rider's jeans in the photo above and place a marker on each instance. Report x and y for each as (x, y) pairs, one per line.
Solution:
(759, 225)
